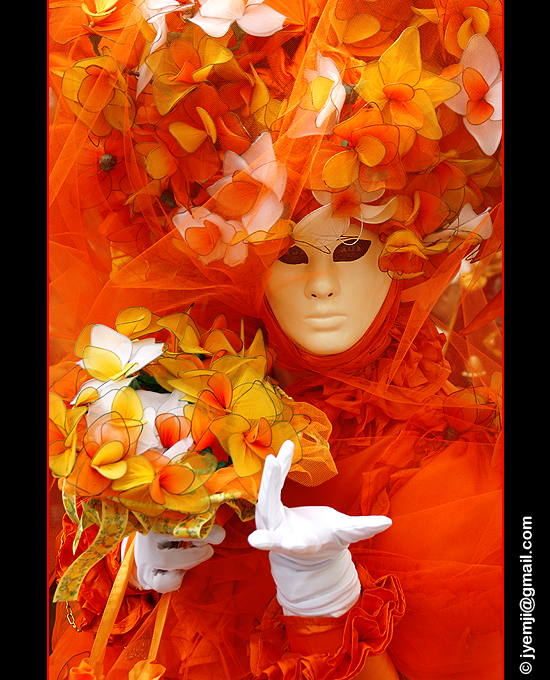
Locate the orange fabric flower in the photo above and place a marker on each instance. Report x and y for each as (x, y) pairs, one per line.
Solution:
(371, 155)
(180, 67)
(71, 20)
(108, 441)
(150, 486)
(366, 27)
(404, 255)
(459, 20)
(421, 205)
(97, 92)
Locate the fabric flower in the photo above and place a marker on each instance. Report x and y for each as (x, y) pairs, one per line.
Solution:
(105, 173)
(109, 356)
(210, 237)
(178, 486)
(480, 99)
(63, 435)
(194, 130)
(339, 207)
(319, 108)
(248, 206)
(108, 441)
(71, 19)
(182, 66)
(252, 16)
(164, 429)
(154, 12)
(96, 91)
(458, 20)
(370, 153)
(403, 90)
(404, 255)
(239, 415)
(253, 186)
(467, 225)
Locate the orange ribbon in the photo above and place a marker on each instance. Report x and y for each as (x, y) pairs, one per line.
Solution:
(92, 667)
(112, 608)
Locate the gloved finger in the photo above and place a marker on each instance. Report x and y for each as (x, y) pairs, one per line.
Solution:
(262, 539)
(184, 557)
(163, 581)
(284, 457)
(361, 528)
(269, 509)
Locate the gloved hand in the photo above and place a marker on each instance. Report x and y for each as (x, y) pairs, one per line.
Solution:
(310, 561)
(161, 560)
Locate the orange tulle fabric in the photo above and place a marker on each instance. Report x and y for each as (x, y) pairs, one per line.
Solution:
(412, 412)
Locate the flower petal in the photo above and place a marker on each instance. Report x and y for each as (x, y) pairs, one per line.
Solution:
(376, 214)
(214, 27)
(261, 20)
(402, 63)
(494, 97)
(187, 136)
(176, 479)
(139, 471)
(341, 170)
(101, 363)
(127, 404)
(487, 135)
(482, 56)
(370, 150)
(103, 336)
(245, 461)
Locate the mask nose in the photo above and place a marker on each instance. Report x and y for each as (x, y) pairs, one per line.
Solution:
(322, 284)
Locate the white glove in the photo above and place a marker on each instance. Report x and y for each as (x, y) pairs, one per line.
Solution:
(310, 561)
(161, 560)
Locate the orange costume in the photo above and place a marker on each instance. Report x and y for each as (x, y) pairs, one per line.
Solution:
(188, 150)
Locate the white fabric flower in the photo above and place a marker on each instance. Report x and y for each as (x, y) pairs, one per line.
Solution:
(481, 83)
(320, 110)
(260, 163)
(468, 222)
(154, 12)
(111, 355)
(252, 16)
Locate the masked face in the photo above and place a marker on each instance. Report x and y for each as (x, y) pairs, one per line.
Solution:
(326, 299)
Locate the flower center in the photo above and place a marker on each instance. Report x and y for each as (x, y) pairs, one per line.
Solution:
(399, 91)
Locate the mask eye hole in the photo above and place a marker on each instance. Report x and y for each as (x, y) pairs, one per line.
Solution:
(349, 251)
(294, 255)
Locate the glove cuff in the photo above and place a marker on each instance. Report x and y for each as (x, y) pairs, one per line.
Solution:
(327, 588)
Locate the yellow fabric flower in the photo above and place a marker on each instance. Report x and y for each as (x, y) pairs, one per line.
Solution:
(62, 435)
(403, 90)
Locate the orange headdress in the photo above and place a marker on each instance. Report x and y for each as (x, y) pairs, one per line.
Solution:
(189, 139)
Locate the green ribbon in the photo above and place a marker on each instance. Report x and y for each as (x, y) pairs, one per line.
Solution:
(111, 530)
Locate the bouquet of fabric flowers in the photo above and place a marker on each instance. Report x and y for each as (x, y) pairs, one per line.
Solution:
(166, 424)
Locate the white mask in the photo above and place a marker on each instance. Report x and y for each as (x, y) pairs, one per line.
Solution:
(326, 294)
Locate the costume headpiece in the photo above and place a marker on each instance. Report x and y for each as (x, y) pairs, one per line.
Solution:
(233, 121)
